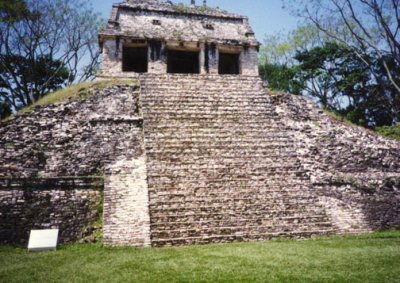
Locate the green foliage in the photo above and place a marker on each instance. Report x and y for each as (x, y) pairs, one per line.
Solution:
(184, 8)
(369, 88)
(35, 72)
(280, 78)
(5, 110)
(369, 258)
(340, 81)
(392, 132)
(13, 10)
(181, 8)
(280, 49)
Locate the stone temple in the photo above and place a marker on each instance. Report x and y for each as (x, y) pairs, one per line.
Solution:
(187, 146)
(161, 37)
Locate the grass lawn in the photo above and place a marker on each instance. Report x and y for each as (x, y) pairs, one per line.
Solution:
(368, 258)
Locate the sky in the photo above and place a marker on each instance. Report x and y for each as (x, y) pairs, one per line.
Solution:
(267, 17)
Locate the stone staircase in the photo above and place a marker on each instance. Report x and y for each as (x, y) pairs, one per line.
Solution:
(220, 164)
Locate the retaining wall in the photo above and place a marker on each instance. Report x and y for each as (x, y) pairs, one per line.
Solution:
(72, 205)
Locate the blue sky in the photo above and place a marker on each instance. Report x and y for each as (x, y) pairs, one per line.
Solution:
(266, 16)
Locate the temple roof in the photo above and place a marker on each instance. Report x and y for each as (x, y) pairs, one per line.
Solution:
(173, 8)
(178, 22)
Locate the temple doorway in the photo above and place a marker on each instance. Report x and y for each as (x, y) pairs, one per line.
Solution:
(183, 62)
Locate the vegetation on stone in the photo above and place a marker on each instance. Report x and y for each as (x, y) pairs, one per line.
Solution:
(79, 91)
(368, 258)
(392, 132)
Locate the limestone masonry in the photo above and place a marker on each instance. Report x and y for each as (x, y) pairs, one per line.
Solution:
(192, 148)
(159, 37)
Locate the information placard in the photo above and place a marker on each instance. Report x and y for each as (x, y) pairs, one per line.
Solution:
(41, 240)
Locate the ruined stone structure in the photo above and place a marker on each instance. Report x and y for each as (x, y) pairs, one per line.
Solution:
(161, 37)
(52, 162)
(195, 151)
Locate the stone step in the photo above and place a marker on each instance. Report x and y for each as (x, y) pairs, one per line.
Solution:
(257, 224)
(208, 239)
(167, 231)
(167, 96)
(162, 209)
(274, 215)
(189, 201)
(179, 129)
(232, 216)
(244, 195)
(184, 175)
(192, 132)
(193, 143)
(203, 158)
(224, 114)
(221, 187)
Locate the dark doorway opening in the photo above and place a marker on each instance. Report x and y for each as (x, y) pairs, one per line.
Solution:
(183, 62)
(228, 64)
(134, 59)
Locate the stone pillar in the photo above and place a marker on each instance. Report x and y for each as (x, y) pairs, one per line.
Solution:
(126, 204)
(202, 59)
(249, 62)
(213, 58)
(156, 58)
(112, 57)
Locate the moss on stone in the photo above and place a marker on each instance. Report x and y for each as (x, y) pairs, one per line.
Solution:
(80, 91)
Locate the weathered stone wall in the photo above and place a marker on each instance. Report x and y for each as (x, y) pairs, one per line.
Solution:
(73, 205)
(76, 138)
(357, 208)
(249, 62)
(112, 59)
(48, 158)
(126, 209)
(355, 172)
(182, 28)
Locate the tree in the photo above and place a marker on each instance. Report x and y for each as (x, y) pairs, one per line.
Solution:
(365, 27)
(5, 110)
(277, 57)
(11, 11)
(340, 81)
(281, 78)
(45, 45)
(280, 49)
(31, 74)
(319, 70)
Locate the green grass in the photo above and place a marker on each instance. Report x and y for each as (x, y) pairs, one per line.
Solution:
(369, 258)
(392, 132)
(78, 92)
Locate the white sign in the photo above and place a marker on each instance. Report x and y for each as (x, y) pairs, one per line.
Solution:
(41, 240)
